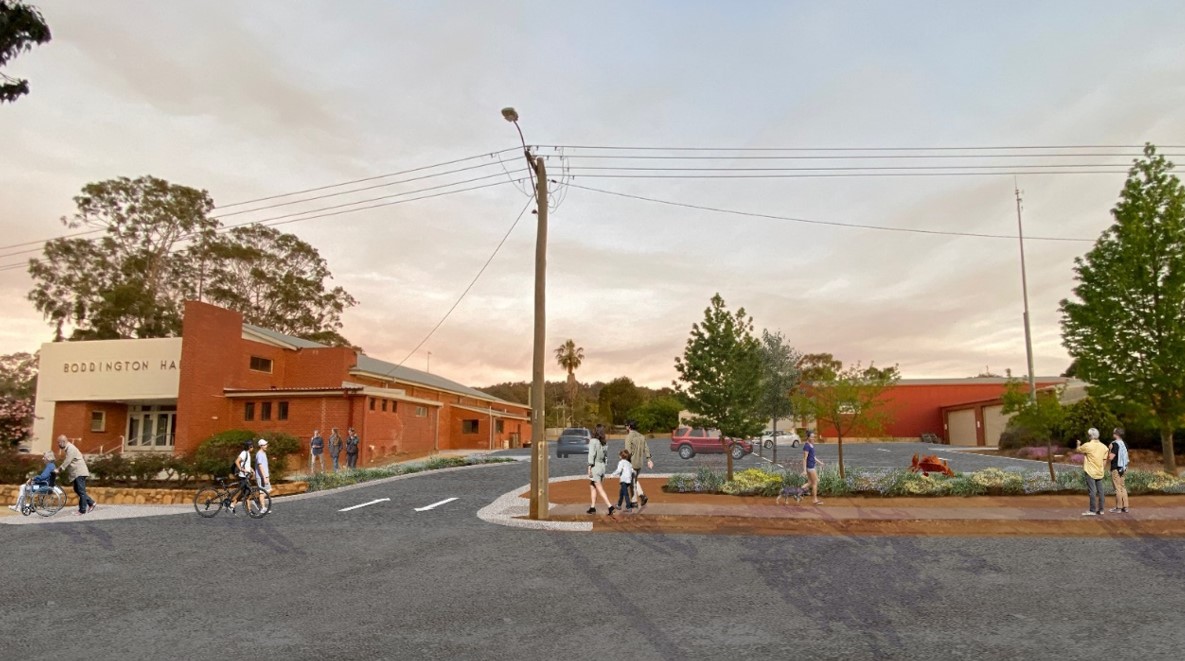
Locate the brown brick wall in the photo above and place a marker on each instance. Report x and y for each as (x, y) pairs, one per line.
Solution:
(74, 420)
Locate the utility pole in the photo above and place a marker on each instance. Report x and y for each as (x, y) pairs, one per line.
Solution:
(539, 470)
(1024, 287)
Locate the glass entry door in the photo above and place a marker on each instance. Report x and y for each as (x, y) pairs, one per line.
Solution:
(151, 427)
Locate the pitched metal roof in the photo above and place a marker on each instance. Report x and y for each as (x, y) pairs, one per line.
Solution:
(381, 368)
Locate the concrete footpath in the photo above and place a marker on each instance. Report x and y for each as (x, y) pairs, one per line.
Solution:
(1038, 515)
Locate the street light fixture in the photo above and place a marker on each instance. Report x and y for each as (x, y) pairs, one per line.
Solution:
(539, 457)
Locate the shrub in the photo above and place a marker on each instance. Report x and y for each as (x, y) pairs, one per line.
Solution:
(216, 454)
(754, 482)
(146, 467)
(708, 480)
(108, 468)
(181, 468)
(1140, 482)
(15, 467)
(1015, 437)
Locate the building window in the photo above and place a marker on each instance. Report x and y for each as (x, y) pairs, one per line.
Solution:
(151, 427)
(469, 426)
(261, 364)
(394, 406)
(372, 403)
(421, 411)
(265, 411)
(248, 410)
(98, 421)
(384, 406)
(282, 411)
(498, 426)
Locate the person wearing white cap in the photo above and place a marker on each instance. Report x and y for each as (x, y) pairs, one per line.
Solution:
(263, 476)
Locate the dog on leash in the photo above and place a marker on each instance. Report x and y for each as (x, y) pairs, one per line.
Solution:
(789, 492)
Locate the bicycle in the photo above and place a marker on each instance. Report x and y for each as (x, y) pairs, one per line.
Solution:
(209, 501)
(45, 501)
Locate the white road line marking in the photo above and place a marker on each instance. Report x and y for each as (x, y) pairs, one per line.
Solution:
(354, 507)
(882, 450)
(434, 505)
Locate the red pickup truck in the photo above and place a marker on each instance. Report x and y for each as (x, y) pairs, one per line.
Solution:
(690, 441)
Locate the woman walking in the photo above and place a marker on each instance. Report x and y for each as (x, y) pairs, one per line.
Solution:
(596, 470)
(810, 466)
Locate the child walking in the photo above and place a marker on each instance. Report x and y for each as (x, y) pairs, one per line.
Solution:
(625, 470)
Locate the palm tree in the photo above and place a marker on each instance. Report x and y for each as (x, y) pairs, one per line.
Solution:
(569, 356)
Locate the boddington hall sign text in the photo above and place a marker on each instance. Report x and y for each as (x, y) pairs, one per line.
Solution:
(118, 366)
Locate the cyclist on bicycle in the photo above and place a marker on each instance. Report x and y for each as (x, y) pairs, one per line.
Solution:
(243, 472)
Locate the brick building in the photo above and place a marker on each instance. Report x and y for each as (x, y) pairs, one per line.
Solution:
(170, 394)
(956, 411)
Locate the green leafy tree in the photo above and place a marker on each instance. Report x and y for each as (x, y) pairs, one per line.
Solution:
(158, 248)
(21, 28)
(850, 400)
(1126, 328)
(18, 387)
(1084, 414)
(659, 414)
(818, 367)
(274, 280)
(128, 282)
(780, 378)
(720, 374)
(1033, 421)
(618, 398)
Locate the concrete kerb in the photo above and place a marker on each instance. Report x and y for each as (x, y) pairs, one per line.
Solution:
(509, 509)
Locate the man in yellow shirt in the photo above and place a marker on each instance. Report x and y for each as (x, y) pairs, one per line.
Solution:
(1094, 464)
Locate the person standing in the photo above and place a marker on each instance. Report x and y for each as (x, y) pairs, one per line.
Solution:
(639, 450)
(263, 476)
(316, 452)
(811, 466)
(1117, 453)
(1094, 460)
(596, 470)
(335, 447)
(352, 442)
(74, 466)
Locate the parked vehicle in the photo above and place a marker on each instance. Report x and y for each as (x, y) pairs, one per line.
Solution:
(769, 438)
(690, 441)
(573, 440)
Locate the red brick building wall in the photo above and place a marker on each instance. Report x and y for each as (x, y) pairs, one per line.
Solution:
(916, 408)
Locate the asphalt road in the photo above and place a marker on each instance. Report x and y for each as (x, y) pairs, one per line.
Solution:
(386, 581)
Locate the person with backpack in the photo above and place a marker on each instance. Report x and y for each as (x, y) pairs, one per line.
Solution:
(352, 442)
(1117, 453)
(243, 471)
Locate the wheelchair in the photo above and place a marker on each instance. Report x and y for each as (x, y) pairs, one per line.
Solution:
(44, 499)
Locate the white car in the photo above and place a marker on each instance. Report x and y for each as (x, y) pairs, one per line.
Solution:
(768, 438)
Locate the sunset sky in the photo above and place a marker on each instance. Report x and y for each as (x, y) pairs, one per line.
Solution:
(253, 100)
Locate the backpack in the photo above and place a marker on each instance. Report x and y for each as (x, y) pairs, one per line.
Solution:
(234, 466)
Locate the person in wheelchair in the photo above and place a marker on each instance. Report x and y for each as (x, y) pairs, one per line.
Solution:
(41, 482)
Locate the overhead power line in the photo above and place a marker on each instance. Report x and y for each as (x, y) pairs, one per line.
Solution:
(848, 149)
(23, 264)
(491, 155)
(466, 292)
(766, 216)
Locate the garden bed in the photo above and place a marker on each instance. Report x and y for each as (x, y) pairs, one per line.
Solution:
(903, 483)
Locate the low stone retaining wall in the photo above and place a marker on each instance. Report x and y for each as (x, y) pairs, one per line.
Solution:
(136, 496)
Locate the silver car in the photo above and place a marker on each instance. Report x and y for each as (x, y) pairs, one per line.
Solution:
(573, 440)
